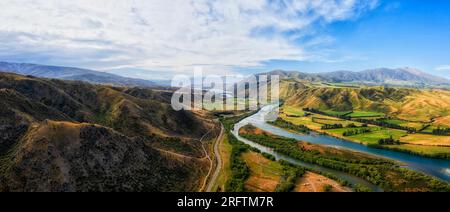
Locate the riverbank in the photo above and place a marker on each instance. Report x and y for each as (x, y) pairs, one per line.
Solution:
(432, 167)
(240, 172)
(378, 171)
(435, 152)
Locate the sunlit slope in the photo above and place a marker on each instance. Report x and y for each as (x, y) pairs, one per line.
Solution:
(408, 104)
(347, 99)
(426, 105)
(132, 111)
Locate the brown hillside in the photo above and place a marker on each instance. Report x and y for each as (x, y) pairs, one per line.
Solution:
(63, 156)
(72, 136)
(408, 104)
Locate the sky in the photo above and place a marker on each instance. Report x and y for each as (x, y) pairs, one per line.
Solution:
(155, 39)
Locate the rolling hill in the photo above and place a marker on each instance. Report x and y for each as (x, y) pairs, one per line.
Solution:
(369, 90)
(69, 73)
(408, 104)
(74, 136)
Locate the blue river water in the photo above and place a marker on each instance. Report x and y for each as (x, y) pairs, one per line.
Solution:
(433, 167)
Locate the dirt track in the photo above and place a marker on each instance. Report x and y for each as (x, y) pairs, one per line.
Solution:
(218, 160)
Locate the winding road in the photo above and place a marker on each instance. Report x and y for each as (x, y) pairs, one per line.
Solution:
(219, 161)
(209, 158)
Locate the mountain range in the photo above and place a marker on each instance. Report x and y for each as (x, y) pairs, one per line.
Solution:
(382, 76)
(70, 73)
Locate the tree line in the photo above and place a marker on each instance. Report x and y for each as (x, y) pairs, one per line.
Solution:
(389, 141)
(385, 124)
(353, 132)
(332, 126)
(288, 125)
(342, 116)
(441, 131)
(378, 122)
(372, 170)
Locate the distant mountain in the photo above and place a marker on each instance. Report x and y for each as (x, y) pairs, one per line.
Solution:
(70, 73)
(400, 76)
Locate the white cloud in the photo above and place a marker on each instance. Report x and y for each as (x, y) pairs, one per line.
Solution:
(443, 68)
(166, 35)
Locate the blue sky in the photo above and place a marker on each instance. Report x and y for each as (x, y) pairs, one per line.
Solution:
(398, 33)
(158, 38)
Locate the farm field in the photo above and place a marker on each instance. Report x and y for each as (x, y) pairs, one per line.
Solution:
(443, 121)
(341, 85)
(427, 144)
(433, 127)
(267, 175)
(336, 113)
(238, 103)
(264, 173)
(312, 182)
(293, 111)
(362, 114)
(332, 121)
(225, 149)
(429, 140)
(369, 138)
(432, 151)
(316, 121)
(430, 129)
(396, 121)
(307, 121)
(379, 171)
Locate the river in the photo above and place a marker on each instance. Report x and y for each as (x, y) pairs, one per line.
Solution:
(433, 167)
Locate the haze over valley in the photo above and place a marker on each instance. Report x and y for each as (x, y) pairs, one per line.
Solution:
(289, 96)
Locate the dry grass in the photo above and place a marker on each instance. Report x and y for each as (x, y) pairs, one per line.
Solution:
(252, 130)
(265, 174)
(428, 140)
(307, 121)
(312, 182)
(425, 105)
(443, 121)
(64, 134)
(225, 149)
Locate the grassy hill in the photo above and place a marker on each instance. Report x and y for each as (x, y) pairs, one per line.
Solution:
(409, 104)
(73, 136)
(71, 73)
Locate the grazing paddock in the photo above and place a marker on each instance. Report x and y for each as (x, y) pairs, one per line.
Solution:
(312, 182)
(362, 114)
(265, 175)
(336, 113)
(423, 150)
(423, 144)
(443, 121)
(375, 136)
(293, 111)
(428, 140)
(307, 121)
(416, 125)
(368, 138)
(335, 121)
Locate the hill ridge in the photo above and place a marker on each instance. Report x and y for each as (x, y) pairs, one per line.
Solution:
(73, 73)
(380, 76)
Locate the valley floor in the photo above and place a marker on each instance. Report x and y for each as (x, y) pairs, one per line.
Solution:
(312, 182)
(428, 145)
(266, 176)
